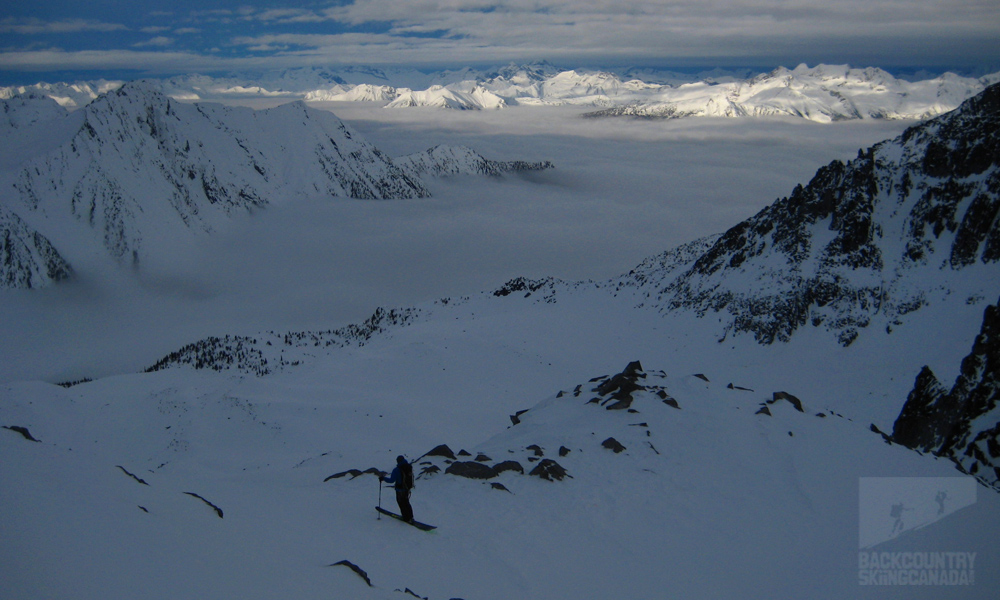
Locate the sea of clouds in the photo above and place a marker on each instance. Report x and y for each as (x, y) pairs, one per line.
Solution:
(622, 190)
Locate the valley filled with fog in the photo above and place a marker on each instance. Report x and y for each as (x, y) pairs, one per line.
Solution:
(621, 191)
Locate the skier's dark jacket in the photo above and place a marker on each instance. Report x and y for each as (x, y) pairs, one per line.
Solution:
(400, 482)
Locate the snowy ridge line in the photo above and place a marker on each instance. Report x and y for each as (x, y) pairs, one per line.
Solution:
(445, 161)
(273, 352)
(821, 93)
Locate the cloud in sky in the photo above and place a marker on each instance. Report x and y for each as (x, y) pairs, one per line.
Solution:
(212, 34)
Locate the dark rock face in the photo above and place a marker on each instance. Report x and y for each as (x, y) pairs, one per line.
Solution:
(963, 423)
(828, 255)
(621, 386)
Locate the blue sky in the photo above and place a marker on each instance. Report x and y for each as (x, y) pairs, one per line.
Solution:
(140, 38)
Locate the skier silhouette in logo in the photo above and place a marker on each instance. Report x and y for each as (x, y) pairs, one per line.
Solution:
(940, 498)
(897, 513)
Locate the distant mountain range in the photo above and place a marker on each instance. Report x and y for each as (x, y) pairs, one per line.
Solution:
(821, 93)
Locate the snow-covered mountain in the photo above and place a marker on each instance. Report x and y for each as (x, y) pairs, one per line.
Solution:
(821, 93)
(436, 96)
(908, 223)
(69, 95)
(141, 170)
(365, 92)
(23, 111)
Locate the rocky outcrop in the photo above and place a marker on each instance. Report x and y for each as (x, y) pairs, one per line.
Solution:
(963, 423)
(616, 392)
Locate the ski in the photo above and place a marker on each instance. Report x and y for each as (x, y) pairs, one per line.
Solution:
(417, 524)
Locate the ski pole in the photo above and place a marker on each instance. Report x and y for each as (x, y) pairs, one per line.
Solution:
(379, 499)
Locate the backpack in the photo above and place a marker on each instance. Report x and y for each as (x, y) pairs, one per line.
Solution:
(406, 476)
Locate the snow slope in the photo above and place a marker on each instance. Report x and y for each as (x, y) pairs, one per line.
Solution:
(239, 492)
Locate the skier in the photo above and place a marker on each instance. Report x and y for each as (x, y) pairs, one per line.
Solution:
(402, 480)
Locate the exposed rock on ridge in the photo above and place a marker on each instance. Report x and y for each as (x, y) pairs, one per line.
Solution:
(962, 424)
